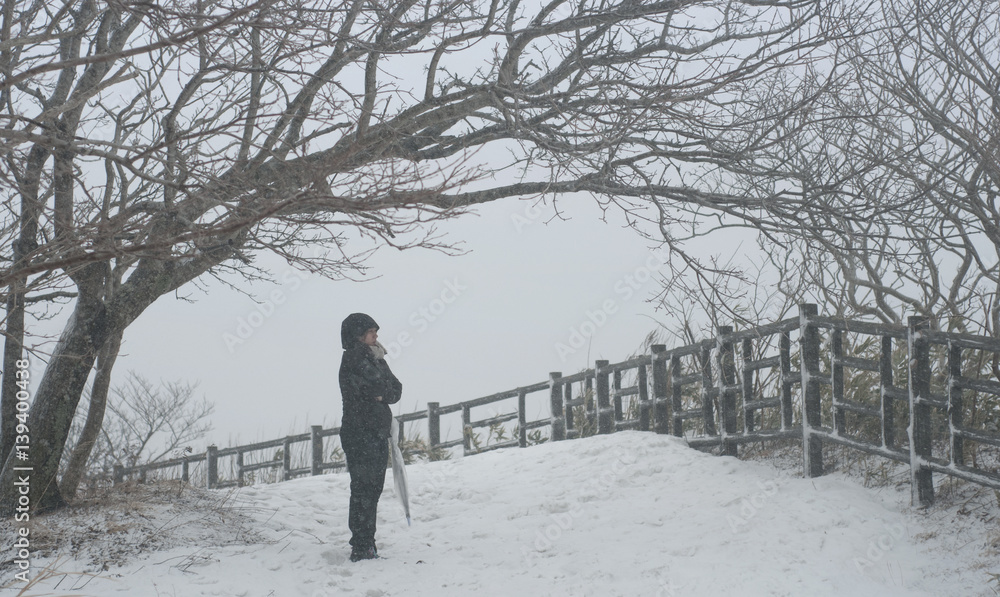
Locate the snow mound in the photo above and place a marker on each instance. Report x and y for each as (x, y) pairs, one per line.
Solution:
(626, 514)
(104, 533)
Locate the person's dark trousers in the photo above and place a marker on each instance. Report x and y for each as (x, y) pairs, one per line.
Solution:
(367, 457)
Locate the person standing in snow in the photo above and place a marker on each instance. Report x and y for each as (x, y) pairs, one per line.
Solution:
(368, 387)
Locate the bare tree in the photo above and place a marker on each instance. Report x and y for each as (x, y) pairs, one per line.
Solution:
(894, 141)
(145, 424)
(294, 125)
(927, 84)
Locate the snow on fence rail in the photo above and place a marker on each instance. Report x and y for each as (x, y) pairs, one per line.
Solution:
(918, 402)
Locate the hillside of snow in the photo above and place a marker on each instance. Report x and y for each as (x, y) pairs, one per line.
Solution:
(626, 514)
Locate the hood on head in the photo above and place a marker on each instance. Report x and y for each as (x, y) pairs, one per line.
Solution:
(355, 326)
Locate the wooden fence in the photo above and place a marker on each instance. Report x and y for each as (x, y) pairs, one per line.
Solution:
(918, 403)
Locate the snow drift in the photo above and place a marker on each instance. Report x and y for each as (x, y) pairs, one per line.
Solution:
(626, 514)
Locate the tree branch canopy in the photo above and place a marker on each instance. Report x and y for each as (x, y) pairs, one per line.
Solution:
(896, 151)
(213, 120)
(143, 146)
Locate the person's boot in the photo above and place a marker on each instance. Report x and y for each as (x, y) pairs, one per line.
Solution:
(365, 553)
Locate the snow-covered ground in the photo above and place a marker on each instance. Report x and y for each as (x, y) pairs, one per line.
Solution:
(627, 514)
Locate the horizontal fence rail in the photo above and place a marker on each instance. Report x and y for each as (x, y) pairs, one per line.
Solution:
(910, 394)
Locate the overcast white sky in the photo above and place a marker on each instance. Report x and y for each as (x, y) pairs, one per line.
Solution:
(487, 321)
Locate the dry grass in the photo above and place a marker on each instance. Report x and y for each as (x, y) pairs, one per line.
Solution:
(114, 526)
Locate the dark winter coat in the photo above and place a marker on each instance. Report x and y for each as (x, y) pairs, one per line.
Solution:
(362, 379)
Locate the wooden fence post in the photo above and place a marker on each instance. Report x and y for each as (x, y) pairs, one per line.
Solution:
(921, 482)
(316, 439)
(212, 459)
(785, 360)
(812, 443)
(286, 460)
(589, 402)
(522, 419)
(837, 381)
(746, 389)
(433, 424)
(885, 386)
(661, 414)
(676, 396)
(616, 401)
(642, 379)
(605, 414)
(466, 430)
(239, 469)
(556, 406)
(727, 388)
(707, 408)
(185, 476)
(567, 397)
(119, 474)
(955, 404)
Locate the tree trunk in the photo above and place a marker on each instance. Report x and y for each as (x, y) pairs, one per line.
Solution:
(93, 323)
(55, 403)
(70, 481)
(14, 339)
